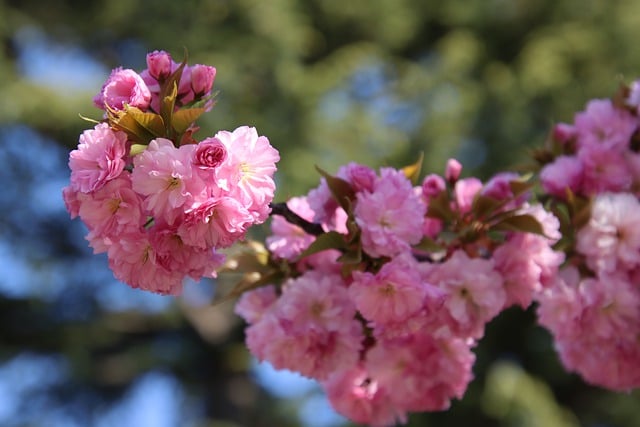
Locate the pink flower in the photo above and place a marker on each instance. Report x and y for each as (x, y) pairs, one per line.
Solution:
(465, 191)
(474, 292)
(288, 240)
(159, 64)
(390, 215)
(98, 159)
(202, 77)
(253, 304)
(113, 210)
(611, 239)
(564, 173)
(453, 170)
(216, 222)
(604, 170)
(564, 133)
(361, 178)
(355, 395)
(177, 256)
(164, 175)
(210, 153)
(247, 172)
(310, 329)
(421, 372)
(602, 124)
(134, 262)
(432, 186)
(123, 87)
(72, 200)
(393, 294)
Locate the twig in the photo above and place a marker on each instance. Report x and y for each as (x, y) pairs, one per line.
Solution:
(283, 210)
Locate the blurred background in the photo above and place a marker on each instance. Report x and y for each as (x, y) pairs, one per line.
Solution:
(328, 81)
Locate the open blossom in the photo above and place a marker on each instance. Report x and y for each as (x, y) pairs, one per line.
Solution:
(98, 158)
(392, 294)
(310, 329)
(595, 323)
(164, 175)
(123, 87)
(604, 170)
(354, 394)
(113, 209)
(252, 305)
(389, 215)
(287, 240)
(611, 239)
(474, 292)
(564, 173)
(603, 124)
(247, 172)
(422, 372)
(216, 222)
(134, 261)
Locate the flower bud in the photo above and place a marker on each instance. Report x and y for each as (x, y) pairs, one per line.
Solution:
(202, 77)
(159, 64)
(210, 153)
(453, 170)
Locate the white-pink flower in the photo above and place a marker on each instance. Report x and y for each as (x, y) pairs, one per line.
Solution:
(287, 240)
(422, 373)
(98, 158)
(247, 172)
(391, 216)
(165, 176)
(354, 394)
(611, 239)
(474, 292)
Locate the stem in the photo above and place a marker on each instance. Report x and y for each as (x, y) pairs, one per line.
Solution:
(283, 210)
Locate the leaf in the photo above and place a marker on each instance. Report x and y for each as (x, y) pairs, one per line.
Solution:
(329, 240)
(137, 149)
(184, 118)
(427, 244)
(169, 94)
(439, 207)
(341, 190)
(523, 223)
(483, 206)
(123, 121)
(150, 121)
(412, 172)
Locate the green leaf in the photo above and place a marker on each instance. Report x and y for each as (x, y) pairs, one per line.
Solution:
(524, 223)
(150, 121)
(329, 240)
(124, 121)
(412, 172)
(341, 190)
(483, 206)
(184, 118)
(248, 282)
(427, 244)
(137, 149)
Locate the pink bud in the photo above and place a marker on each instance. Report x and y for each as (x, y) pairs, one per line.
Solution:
(361, 177)
(563, 132)
(453, 170)
(432, 186)
(210, 153)
(202, 77)
(159, 63)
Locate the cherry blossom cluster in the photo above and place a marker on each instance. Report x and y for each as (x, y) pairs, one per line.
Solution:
(592, 173)
(385, 303)
(159, 203)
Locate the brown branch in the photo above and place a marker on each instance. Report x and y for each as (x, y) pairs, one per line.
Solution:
(283, 210)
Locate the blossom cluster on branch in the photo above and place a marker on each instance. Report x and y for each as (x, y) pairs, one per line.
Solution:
(377, 283)
(160, 203)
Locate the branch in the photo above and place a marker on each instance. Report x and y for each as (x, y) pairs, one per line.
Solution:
(283, 210)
